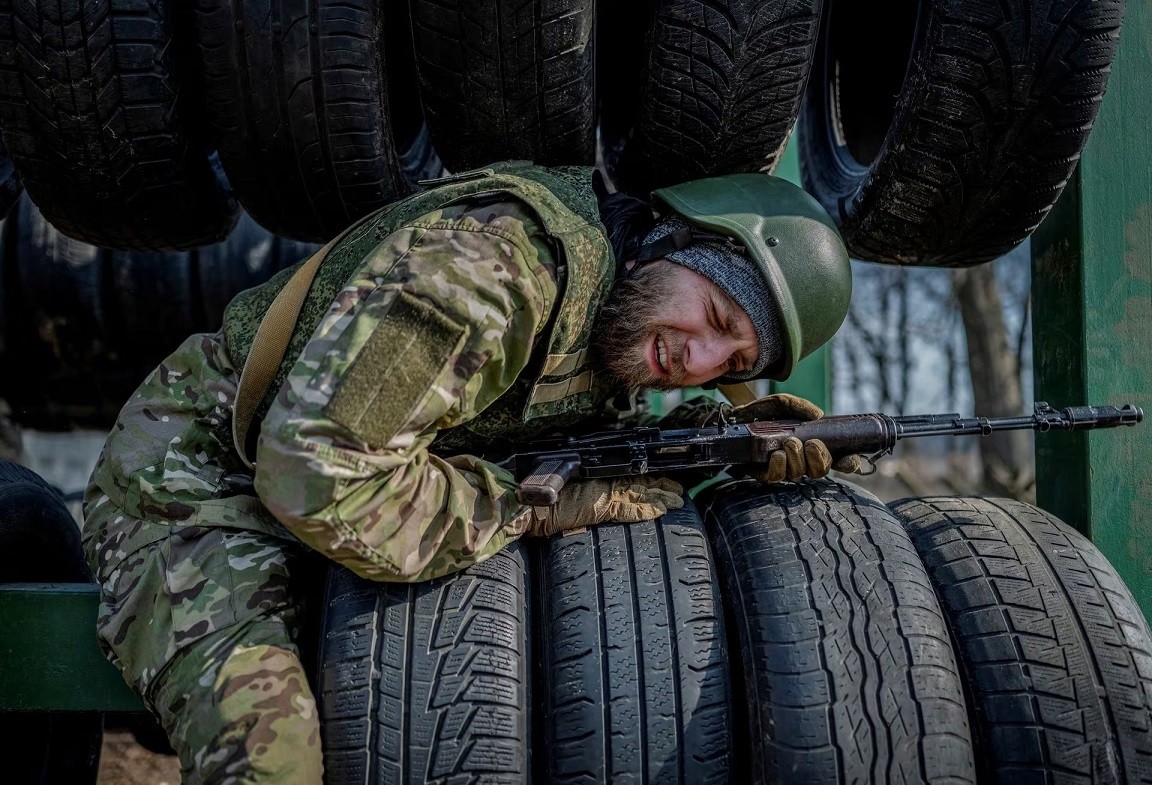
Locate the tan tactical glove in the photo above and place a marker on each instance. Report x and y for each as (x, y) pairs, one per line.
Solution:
(589, 502)
(797, 459)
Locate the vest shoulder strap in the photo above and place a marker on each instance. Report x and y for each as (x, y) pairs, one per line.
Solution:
(739, 393)
(271, 342)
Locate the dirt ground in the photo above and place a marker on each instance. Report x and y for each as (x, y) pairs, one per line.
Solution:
(124, 762)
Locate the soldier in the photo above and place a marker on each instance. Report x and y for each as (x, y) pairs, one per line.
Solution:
(488, 309)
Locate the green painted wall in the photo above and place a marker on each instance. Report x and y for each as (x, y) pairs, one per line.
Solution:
(1092, 295)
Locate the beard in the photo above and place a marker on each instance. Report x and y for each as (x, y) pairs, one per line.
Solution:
(626, 325)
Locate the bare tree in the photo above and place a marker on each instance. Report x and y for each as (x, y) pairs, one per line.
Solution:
(994, 367)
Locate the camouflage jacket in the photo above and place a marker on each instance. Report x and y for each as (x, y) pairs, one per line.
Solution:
(450, 321)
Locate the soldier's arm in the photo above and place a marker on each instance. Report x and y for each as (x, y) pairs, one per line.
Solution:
(439, 321)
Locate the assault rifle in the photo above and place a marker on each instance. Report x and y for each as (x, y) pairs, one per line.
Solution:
(546, 465)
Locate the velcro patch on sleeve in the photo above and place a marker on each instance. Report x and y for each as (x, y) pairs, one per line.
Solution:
(394, 371)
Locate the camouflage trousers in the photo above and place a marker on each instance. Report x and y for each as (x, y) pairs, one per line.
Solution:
(203, 623)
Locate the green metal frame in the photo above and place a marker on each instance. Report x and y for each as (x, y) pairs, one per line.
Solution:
(1092, 302)
(49, 657)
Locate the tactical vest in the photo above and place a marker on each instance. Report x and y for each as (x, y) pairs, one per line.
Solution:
(559, 387)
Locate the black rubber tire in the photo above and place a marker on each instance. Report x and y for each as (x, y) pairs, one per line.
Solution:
(302, 110)
(40, 543)
(1056, 653)
(634, 661)
(39, 540)
(720, 88)
(245, 258)
(248, 257)
(95, 118)
(507, 79)
(55, 325)
(82, 326)
(944, 134)
(152, 304)
(848, 671)
(430, 682)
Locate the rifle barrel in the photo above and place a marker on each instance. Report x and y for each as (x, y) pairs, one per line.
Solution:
(1045, 418)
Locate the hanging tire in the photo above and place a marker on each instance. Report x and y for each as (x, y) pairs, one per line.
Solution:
(55, 324)
(85, 325)
(1055, 651)
(848, 672)
(100, 128)
(248, 257)
(506, 80)
(944, 136)
(719, 91)
(40, 543)
(635, 665)
(82, 326)
(427, 682)
(304, 112)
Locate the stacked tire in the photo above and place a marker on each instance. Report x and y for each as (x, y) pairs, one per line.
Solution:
(795, 634)
(847, 672)
(81, 326)
(599, 657)
(1055, 652)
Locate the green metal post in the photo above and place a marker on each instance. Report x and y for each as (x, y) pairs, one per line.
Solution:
(1092, 300)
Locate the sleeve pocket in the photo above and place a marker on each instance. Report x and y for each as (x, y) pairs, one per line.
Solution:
(394, 370)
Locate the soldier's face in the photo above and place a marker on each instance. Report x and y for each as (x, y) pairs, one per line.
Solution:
(667, 327)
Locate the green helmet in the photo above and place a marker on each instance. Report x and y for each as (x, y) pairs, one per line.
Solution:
(793, 241)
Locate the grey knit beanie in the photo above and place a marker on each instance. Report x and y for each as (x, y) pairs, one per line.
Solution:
(737, 275)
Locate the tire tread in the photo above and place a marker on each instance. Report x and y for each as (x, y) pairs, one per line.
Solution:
(95, 120)
(634, 656)
(721, 89)
(298, 97)
(847, 661)
(506, 79)
(1037, 602)
(427, 682)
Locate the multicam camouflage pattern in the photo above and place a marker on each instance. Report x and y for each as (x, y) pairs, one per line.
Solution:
(194, 576)
(380, 502)
(196, 608)
(242, 710)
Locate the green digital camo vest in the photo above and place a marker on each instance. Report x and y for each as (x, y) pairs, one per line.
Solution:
(559, 387)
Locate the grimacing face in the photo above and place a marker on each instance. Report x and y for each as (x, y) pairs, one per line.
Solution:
(666, 327)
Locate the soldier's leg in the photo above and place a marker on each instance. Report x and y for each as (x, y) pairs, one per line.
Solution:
(238, 709)
(202, 623)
